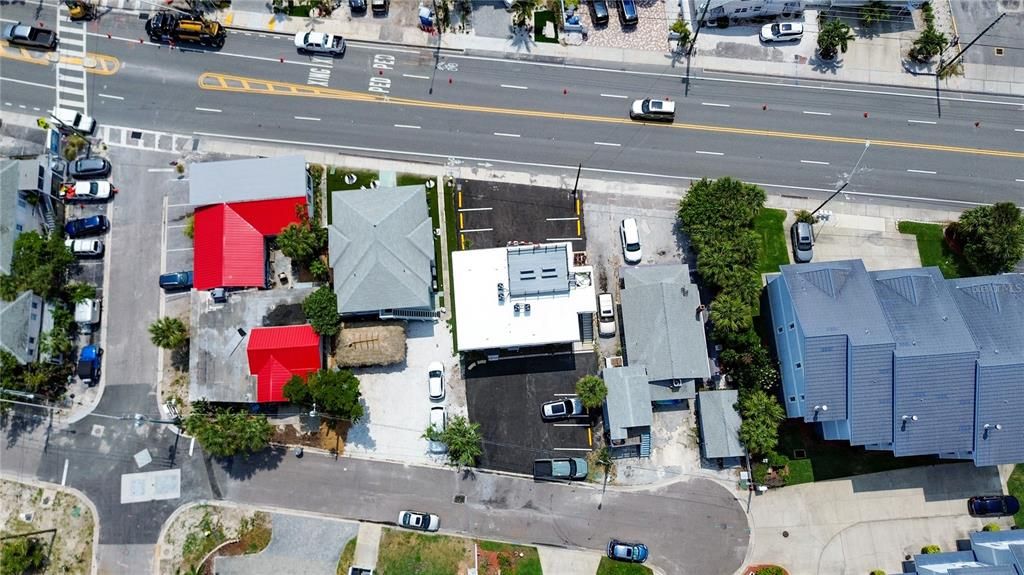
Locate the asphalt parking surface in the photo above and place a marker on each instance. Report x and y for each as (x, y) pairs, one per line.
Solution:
(505, 396)
(498, 214)
(178, 246)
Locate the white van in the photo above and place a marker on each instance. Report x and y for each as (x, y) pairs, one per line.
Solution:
(630, 234)
(87, 315)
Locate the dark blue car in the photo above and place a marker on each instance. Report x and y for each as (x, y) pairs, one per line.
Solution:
(176, 280)
(993, 505)
(631, 552)
(628, 15)
(89, 365)
(90, 226)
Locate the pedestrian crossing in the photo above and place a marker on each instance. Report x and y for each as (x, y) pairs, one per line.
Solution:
(71, 87)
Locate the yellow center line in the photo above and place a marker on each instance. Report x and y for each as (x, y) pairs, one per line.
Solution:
(229, 83)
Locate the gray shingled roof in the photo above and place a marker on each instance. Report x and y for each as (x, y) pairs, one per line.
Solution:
(17, 326)
(381, 245)
(628, 403)
(720, 423)
(662, 328)
(247, 180)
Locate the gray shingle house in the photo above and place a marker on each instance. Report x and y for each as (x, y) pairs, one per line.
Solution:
(990, 553)
(21, 324)
(381, 248)
(719, 424)
(627, 410)
(249, 180)
(903, 360)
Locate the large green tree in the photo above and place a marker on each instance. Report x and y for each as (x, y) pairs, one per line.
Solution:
(321, 309)
(992, 237)
(722, 206)
(591, 391)
(522, 11)
(302, 242)
(730, 315)
(928, 44)
(463, 439)
(834, 37)
(224, 433)
(22, 555)
(761, 415)
(168, 333)
(335, 393)
(38, 263)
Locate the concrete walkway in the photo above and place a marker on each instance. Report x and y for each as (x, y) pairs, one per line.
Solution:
(852, 526)
(568, 562)
(367, 546)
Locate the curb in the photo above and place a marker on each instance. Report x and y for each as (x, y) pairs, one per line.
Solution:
(352, 39)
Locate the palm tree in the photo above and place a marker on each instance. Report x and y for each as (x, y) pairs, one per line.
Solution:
(591, 390)
(833, 37)
(522, 11)
(168, 333)
(730, 315)
(928, 45)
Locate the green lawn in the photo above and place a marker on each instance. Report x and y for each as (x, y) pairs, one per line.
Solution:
(412, 179)
(835, 459)
(408, 553)
(348, 554)
(934, 251)
(540, 18)
(1015, 485)
(513, 564)
(336, 181)
(609, 567)
(452, 237)
(772, 251)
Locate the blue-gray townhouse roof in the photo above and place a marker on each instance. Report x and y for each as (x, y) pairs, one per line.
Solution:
(990, 553)
(993, 308)
(934, 364)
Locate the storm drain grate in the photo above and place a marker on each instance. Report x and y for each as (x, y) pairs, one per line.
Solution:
(459, 499)
(135, 135)
(999, 51)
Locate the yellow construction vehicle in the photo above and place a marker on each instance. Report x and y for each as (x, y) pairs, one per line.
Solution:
(80, 10)
(170, 27)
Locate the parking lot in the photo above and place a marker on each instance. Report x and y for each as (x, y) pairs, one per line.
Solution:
(497, 214)
(505, 396)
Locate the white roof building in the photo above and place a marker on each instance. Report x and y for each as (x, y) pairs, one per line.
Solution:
(520, 296)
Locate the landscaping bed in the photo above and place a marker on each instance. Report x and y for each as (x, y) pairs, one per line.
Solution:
(198, 530)
(331, 436)
(371, 343)
(609, 567)
(65, 523)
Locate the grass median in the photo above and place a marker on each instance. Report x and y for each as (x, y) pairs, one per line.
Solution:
(772, 251)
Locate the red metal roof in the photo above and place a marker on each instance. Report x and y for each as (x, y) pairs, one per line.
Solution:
(228, 240)
(278, 353)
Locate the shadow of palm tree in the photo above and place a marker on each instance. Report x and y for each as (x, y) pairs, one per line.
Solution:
(520, 39)
(819, 64)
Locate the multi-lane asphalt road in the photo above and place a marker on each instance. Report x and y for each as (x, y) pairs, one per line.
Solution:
(417, 103)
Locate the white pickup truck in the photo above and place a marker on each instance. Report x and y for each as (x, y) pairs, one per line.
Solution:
(319, 43)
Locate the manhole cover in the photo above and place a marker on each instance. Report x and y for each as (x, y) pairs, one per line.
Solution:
(460, 499)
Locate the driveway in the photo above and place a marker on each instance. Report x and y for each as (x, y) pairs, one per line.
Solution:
(298, 544)
(851, 526)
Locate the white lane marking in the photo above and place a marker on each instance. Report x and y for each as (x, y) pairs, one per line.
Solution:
(561, 219)
(571, 424)
(1020, 180)
(22, 106)
(418, 77)
(713, 104)
(562, 239)
(810, 113)
(446, 157)
(178, 250)
(813, 162)
(307, 118)
(920, 122)
(156, 170)
(514, 87)
(215, 110)
(572, 449)
(474, 209)
(613, 144)
(504, 135)
(407, 126)
(614, 96)
(564, 394)
(1018, 129)
(64, 475)
(477, 230)
(191, 446)
(710, 153)
(921, 172)
(111, 96)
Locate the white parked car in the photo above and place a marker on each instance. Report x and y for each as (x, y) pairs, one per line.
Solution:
(630, 234)
(435, 380)
(89, 191)
(75, 119)
(319, 43)
(563, 409)
(438, 420)
(605, 314)
(419, 520)
(85, 248)
(782, 32)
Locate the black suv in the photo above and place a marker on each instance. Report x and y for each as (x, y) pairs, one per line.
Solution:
(91, 168)
(91, 226)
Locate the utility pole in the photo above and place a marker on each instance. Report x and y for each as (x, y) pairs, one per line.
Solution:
(846, 182)
(961, 52)
(577, 184)
(700, 24)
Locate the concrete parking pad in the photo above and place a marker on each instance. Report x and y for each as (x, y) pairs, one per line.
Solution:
(299, 544)
(567, 561)
(497, 214)
(504, 397)
(872, 239)
(854, 525)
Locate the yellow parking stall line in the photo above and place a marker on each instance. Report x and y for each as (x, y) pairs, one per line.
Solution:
(460, 199)
(578, 228)
(462, 241)
(461, 221)
(577, 207)
(590, 437)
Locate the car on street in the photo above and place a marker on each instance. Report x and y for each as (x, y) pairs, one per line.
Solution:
(90, 168)
(630, 234)
(605, 315)
(88, 368)
(599, 10)
(85, 248)
(89, 191)
(562, 409)
(29, 36)
(782, 32)
(438, 420)
(628, 15)
(630, 552)
(90, 226)
(419, 520)
(993, 505)
(435, 380)
(803, 242)
(75, 120)
(176, 280)
(319, 43)
(653, 110)
(565, 468)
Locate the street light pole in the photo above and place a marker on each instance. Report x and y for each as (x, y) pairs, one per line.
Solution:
(700, 24)
(961, 52)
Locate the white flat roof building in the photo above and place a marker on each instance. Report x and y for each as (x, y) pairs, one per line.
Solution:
(520, 296)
